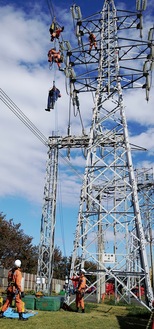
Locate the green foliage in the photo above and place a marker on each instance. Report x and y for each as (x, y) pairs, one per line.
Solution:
(14, 244)
(137, 311)
(30, 292)
(61, 265)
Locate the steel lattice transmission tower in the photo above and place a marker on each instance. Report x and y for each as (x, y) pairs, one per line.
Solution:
(145, 185)
(109, 230)
(48, 222)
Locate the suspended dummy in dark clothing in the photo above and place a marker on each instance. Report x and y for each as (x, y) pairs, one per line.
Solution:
(53, 95)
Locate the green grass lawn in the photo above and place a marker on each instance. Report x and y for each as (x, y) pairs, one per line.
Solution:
(97, 316)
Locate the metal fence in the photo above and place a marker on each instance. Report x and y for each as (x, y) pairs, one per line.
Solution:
(29, 281)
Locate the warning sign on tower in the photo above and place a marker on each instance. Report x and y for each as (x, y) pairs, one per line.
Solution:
(108, 258)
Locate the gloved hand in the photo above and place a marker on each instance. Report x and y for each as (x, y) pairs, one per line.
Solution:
(22, 294)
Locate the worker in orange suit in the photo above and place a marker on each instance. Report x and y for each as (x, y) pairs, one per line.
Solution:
(92, 41)
(56, 32)
(80, 290)
(55, 56)
(14, 290)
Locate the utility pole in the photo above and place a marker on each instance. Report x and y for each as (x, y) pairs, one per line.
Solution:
(109, 229)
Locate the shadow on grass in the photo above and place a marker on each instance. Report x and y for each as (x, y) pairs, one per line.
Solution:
(131, 322)
(72, 308)
(136, 318)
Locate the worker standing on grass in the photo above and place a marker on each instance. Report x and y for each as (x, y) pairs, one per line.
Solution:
(14, 290)
(80, 290)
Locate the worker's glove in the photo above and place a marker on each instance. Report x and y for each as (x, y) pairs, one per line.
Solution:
(22, 294)
(10, 294)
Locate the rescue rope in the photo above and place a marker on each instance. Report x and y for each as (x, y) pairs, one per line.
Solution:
(61, 214)
(51, 10)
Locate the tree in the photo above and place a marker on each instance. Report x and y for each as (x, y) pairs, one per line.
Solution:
(62, 265)
(14, 244)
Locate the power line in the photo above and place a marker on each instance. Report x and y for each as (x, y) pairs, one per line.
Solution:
(27, 122)
(51, 9)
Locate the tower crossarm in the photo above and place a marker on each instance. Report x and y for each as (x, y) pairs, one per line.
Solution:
(109, 138)
(117, 41)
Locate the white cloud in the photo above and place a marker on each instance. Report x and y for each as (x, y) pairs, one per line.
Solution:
(26, 79)
(25, 41)
(138, 110)
(145, 139)
(23, 38)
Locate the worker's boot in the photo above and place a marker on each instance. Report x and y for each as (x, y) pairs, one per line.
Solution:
(2, 315)
(83, 311)
(21, 317)
(77, 310)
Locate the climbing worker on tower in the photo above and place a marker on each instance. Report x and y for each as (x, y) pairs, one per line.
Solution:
(80, 290)
(56, 32)
(55, 56)
(53, 95)
(52, 26)
(92, 41)
(14, 290)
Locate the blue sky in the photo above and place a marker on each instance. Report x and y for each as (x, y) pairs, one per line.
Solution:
(26, 79)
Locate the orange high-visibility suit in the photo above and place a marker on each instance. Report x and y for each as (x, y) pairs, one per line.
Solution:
(92, 41)
(14, 289)
(80, 291)
(54, 56)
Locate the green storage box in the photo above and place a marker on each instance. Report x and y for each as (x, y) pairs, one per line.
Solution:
(29, 302)
(48, 303)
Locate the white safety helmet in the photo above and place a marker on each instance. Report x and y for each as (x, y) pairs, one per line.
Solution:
(82, 270)
(17, 263)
